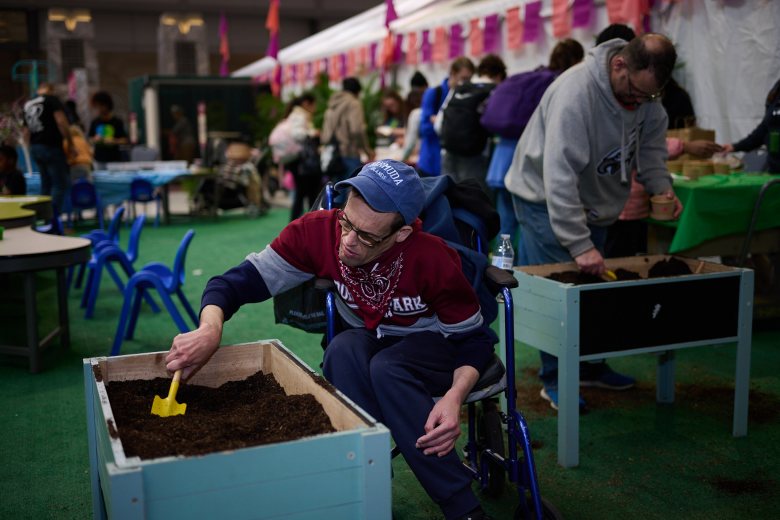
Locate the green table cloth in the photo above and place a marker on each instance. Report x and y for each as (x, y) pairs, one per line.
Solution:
(721, 205)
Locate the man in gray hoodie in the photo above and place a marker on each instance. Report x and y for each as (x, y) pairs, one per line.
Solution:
(571, 173)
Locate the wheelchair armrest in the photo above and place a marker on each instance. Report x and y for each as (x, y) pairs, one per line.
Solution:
(324, 284)
(498, 278)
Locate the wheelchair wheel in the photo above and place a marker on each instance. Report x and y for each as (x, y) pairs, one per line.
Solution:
(549, 511)
(492, 437)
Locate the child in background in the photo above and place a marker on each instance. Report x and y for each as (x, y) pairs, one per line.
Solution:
(11, 179)
(80, 162)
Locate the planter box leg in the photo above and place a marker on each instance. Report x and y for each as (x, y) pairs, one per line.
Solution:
(664, 392)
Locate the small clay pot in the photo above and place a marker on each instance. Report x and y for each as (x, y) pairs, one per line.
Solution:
(721, 167)
(674, 166)
(661, 208)
(695, 169)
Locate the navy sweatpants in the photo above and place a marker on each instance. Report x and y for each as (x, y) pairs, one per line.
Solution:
(394, 379)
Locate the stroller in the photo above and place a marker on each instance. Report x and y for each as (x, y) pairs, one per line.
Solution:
(468, 231)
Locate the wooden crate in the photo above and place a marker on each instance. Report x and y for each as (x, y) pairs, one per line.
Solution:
(345, 474)
(595, 321)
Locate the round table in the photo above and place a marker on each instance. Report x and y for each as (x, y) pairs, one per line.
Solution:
(25, 251)
(23, 210)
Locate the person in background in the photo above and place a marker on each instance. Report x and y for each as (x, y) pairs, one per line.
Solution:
(767, 132)
(429, 162)
(72, 114)
(565, 54)
(181, 139)
(107, 131)
(11, 179)
(307, 186)
(345, 119)
(80, 160)
(490, 72)
(46, 126)
(413, 103)
(391, 129)
(390, 359)
(570, 175)
(627, 236)
(412, 128)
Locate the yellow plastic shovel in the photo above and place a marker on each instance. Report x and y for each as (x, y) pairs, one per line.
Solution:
(168, 406)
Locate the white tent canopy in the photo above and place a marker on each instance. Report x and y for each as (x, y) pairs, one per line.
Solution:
(729, 53)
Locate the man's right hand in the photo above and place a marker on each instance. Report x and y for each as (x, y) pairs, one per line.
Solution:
(591, 262)
(191, 350)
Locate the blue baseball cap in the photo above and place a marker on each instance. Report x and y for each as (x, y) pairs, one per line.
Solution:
(389, 186)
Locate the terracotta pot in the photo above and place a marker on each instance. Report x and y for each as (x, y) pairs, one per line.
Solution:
(695, 169)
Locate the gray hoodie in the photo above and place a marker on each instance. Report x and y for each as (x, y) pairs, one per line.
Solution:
(579, 149)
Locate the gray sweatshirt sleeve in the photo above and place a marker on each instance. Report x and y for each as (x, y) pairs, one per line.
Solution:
(566, 153)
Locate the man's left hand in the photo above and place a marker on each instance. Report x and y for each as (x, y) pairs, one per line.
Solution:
(442, 427)
(678, 207)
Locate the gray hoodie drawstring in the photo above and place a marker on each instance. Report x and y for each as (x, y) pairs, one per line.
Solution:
(623, 175)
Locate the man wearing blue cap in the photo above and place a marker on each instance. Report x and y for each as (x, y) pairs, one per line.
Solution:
(413, 326)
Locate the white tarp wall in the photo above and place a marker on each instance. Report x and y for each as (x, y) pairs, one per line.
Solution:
(730, 52)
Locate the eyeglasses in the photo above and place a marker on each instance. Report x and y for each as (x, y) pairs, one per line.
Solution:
(367, 239)
(640, 95)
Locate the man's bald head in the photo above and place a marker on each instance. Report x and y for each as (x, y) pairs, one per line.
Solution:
(653, 52)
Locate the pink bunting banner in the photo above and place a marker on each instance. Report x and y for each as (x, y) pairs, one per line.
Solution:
(390, 14)
(351, 63)
(582, 13)
(532, 29)
(514, 28)
(372, 56)
(333, 68)
(342, 65)
(426, 50)
(492, 34)
(411, 48)
(476, 43)
(456, 41)
(398, 49)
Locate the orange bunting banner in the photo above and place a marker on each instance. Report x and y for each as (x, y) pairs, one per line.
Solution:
(411, 49)
(476, 38)
(440, 44)
(561, 19)
(630, 12)
(514, 29)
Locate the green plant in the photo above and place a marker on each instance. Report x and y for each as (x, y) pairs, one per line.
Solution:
(372, 103)
(269, 110)
(321, 92)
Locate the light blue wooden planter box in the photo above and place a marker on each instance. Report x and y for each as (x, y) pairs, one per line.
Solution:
(344, 475)
(590, 322)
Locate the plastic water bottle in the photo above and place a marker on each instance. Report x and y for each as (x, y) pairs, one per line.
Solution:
(504, 254)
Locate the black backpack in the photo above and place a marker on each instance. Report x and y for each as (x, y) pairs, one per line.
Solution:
(461, 131)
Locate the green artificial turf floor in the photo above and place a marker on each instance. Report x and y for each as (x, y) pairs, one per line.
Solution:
(639, 459)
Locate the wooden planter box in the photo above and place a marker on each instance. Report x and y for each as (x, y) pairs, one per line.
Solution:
(589, 322)
(343, 475)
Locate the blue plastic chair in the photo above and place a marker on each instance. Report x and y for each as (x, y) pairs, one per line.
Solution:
(104, 254)
(167, 282)
(141, 190)
(96, 236)
(83, 195)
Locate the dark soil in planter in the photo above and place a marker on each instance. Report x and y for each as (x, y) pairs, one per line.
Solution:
(236, 415)
(670, 267)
